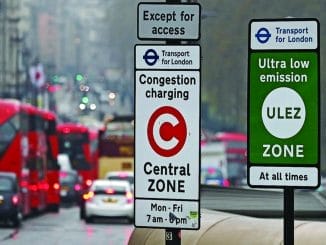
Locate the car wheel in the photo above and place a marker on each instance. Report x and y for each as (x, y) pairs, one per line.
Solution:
(88, 220)
(82, 212)
(130, 220)
(16, 220)
(54, 208)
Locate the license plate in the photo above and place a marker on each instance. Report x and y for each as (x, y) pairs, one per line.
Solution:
(110, 200)
(63, 193)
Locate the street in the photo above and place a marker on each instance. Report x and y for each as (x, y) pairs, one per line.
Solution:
(66, 228)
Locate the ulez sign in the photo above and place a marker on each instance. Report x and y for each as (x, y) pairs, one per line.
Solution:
(283, 103)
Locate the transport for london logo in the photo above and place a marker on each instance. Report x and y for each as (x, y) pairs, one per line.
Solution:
(263, 35)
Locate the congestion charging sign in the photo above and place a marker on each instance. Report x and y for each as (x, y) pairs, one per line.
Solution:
(283, 103)
(167, 129)
(167, 118)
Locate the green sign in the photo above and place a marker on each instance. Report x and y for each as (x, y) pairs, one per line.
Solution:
(283, 108)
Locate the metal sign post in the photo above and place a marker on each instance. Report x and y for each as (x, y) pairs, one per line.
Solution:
(288, 230)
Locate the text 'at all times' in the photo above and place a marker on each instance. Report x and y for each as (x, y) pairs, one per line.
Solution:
(285, 176)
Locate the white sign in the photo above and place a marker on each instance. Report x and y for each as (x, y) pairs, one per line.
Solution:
(170, 214)
(37, 75)
(166, 102)
(283, 176)
(161, 21)
(272, 35)
(170, 57)
(167, 141)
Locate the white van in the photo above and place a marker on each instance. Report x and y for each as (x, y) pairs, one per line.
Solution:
(64, 162)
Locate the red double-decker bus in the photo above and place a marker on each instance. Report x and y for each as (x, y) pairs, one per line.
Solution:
(52, 166)
(75, 140)
(36, 158)
(14, 147)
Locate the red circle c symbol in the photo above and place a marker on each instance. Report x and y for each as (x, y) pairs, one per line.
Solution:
(167, 131)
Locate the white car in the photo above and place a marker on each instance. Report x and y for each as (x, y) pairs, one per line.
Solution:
(108, 198)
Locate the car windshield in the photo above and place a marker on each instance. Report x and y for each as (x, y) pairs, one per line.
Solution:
(68, 177)
(130, 179)
(213, 174)
(110, 189)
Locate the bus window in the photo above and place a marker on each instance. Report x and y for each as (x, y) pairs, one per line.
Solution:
(7, 133)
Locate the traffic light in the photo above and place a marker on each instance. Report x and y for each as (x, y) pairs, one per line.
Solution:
(55, 79)
(85, 98)
(79, 77)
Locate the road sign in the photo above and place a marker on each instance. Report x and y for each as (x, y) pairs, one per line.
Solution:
(37, 75)
(170, 57)
(166, 102)
(168, 213)
(283, 142)
(167, 142)
(167, 115)
(283, 34)
(162, 21)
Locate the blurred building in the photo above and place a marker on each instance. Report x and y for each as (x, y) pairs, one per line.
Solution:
(69, 38)
(12, 72)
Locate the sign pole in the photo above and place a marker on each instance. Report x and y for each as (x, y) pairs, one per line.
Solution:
(173, 236)
(288, 216)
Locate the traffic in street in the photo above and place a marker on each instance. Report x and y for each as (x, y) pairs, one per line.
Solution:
(158, 122)
(66, 227)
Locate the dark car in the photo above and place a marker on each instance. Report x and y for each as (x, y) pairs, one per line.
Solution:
(71, 187)
(10, 201)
